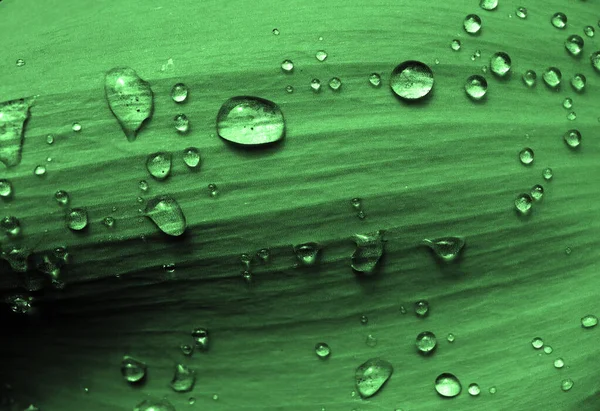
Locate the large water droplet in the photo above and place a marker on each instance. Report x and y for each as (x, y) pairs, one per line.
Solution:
(447, 385)
(537, 343)
(559, 20)
(159, 165)
(488, 4)
(6, 188)
(183, 379)
(552, 77)
(411, 80)
(572, 138)
(589, 321)
(191, 157)
(18, 258)
(578, 82)
(523, 203)
(500, 63)
(132, 370)
(369, 249)
(77, 219)
(476, 87)
(154, 405)
(165, 212)
(13, 116)
(307, 253)
(472, 24)
(530, 78)
(426, 342)
(526, 156)
(322, 350)
(10, 225)
(574, 44)
(130, 99)
(371, 376)
(250, 121)
(446, 248)
(179, 93)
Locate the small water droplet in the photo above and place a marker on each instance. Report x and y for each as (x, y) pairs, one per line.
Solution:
(250, 121)
(315, 84)
(552, 77)
(77, 219)
(559, 363)
(526, 156)
(335, 83)
(445, 248)
(287, 66)
(574, 44)
(589, 31)
(537, 192)
(523, 203)
(364, 320)
(109, 222)
(191, 157)
(62, 197)
(548, 349)
(566, 384)
(213, 191)
(530, 78)
(371, 376)
(375, 79)
(20, 62)
(159, 165)
(422, 308)
(132, 370)
(589, 321)
(289, 89)
(472, 24)
(276, 32)
(10, 225)
(537, 343)
(476, 87)
(19, 304)
(179, 93)
(426, 342)
(567, 103)
(578, 82)
(571, 116)
(500, 63)
(191, 400)
(129, 98)
(165, 212)
(321, 55)
(371, 341)
(49, 139)
(215, 397)
(264, 254)
(187, 349)
(183, 379)
(572, 138)
(493, 390)
(322, 350)
(521, 12)
(369, 249)
(169, 268)
(182, 123)
(559, 20)
(411, 80)
(307, 254)
(18, 258)
(474, 389)
(154, 405)
(488, 4)
(547, 174)
(447, 385)
(455, 45)
(200, 337)
(450, 338)
(568, 251)
(6, 188)
(39, 170)
(402, 309)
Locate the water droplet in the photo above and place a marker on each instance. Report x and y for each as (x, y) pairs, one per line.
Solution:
(571, 116)
(77, 219)
(488, 4)
(129, 98)
(39, 170)
(474, 389)
(595, 59)
(335, 83)
(559, 363)
(521, 12)
(426, 342)
(447, 385)
(289, 89)
(154, 405)
(6, 189)
(159, 165)
(182, 123)
(132, 370)
(264, 254)
(49, 139)
(552, 77)
(18, 258)
(13, 116)
(287, 66)
(187, 349)
(537, 343)
(476, 87)
(422, 308)
(500, 63)
(411, 80)
(574, 44)
(493, 390)
(179, 93)
(547, 174)
(213, 191)
(567, 103)
(371, 341)
(369, 249)
(371, 376)
(62, 197)
(455, 45)
(10, 225)
(589, 321)
(276, 32)
(165, 212)
(321, 55)
(445, 248)
(472, 24)
(20, 62)
(307, 253)
(530, 78)
(250, 121)
(183, 379)
(19, 304)
(537, 192)
(548, 349)
(402, 309)
(169, 268)
(566, 384)
(450, 337)
(568, 251)
(559, 20)
(215, 397)
(375, 79)
(526, 156)
(322, 350)
(191, 400)
(315, 84)
(191, 157)
(200, 337)
(364, 320)
(572, 138)
(523, 203)
(589, 31)
(578, 82)
(109, 222)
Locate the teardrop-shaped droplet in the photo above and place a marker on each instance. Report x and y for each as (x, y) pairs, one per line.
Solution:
(132, 370)
(308, 253)
(62, 197)
(572, 138)
(426, 342)
(547, 173)
(566, 384)
(537, 192)
(476, 87)
(411, 80)
(179, 93)
(371, 376)
(526, 156)
(500, 63)
(447, 385)
(130, 99)
(159, 165)
(200, 337)
(182, 123)
(552, 77)
(523, 203)
(574, 44)
(77, 219)
(446, 248)
(154, 405)
(589, 31)
(315, 85)
(13, 116)
(165, 212)
(191, 157)
(578, 82)
(183, 379)
(250, 121)
(369, 249)
(530, 78)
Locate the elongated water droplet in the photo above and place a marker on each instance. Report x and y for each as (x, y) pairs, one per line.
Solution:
(447, 385)
(375, 79)
(521, 12)
(472, 24)
(552, 77)
(445, 248)
(77, 219)
(371, 376)
(451, 337)
(455, 45)
(574, 44)
(39, 170)
(422, 308)
(474, 389)
(578, 82)
(547, 174)
(369, 249)
(567, 103)
(595, 60)
(287, 66)
(154, 405)
(132, 370)
(371, 341)
(526, 156)
(559, 20)
(62, 197)
(572, 138)
(308, 253)
(322, 350)
(179, 93)
(589, 31)
(537, 192)
(589, 321)
(488, 4)
(191, 157)
(182, 123)
(335, 83)
(426, 342)
(11, 225)
(200, 337)
(411, 80)
(129, 98)
(18, 258)
(530, 78)
(250, 121)
(566, 384)
(165, 212)
(315, 85)
(183, 379)
(6, 188)
(523, 203)
(476, 87)
(500, 63)
(159, 165)
(13, 116)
